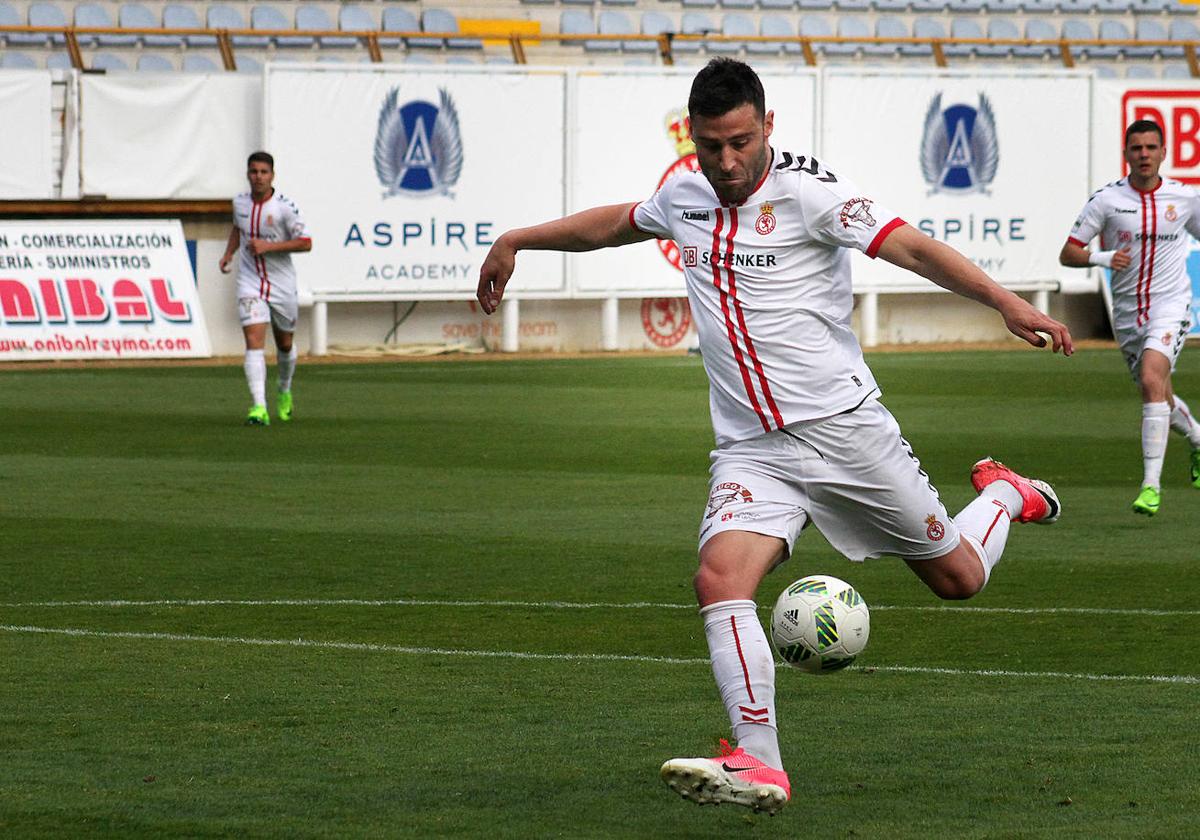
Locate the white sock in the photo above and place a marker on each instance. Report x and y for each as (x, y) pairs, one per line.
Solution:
(985, 522)
(1183, 422)
(1156, 421)
(287, 367)
(256, 376)
(744, 666)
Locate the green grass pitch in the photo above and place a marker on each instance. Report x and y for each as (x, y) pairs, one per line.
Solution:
(453, 599)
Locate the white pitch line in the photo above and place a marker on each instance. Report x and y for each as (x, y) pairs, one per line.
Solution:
(563, 657)
(561, 605)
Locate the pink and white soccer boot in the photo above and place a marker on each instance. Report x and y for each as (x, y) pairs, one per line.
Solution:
(734, 776)
(1038, 502)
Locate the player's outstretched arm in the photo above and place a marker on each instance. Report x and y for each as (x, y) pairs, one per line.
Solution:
(599, 227)
(908, 248)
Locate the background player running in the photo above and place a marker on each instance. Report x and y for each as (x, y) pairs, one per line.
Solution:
(801, 435)
(1142, 220)
(268, 228)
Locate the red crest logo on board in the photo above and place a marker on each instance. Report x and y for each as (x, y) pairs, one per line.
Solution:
(935, 530)
(679, 132)
(666, 320)
(766, 219)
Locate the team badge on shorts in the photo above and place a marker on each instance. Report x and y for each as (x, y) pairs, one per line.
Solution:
(935, 530)
(1166, 339)
(766, 219)
(726, 493)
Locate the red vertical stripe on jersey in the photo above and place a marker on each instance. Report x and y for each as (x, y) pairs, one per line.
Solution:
(737, 641)
(717, 259)
(1153, 252)
(1142, 262)
(260, 262)
(741, 316)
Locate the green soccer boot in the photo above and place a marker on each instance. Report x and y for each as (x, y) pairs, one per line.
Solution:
(1196, 468)
(257, 416)
(1147, 501)
(284, 406)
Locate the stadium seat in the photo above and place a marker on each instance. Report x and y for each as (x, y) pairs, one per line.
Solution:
(1037, 30)
(184, 17)
(248, 64)
(1178, 7)
(1104, 71)
(9, 16)
(693, 23)
(396, 19)
(580, 22)
(95, 15)
(499, 59)
(269, 17)
(312, 17)
(1184, 30)
(737, 4)
(695, 4)
(1112, 6)
(898, 6)
(461, 59)
(1075, 7)
(826, 5)
(227, 17)
(599, 46)
(618, 2)
(935, 6)
(656, 23)
(735, 25)
(442, 20)
(1148, 29)
(58, 61)
(888, 27)
(818, 26)
(1077, 29)
(843, 5)
(1000, 6)
(775, 26)
(108, 61)
(965, 28)
(151, 63)
(417, 58)
(1176, 71)
(999, 28)
(193, 63)
(613, 22)
(1149, 7)
(1039, 6)
(137, 16)
(924, 27)
(855, 26)
(1140, 71)
(15, 60)
(45, 14)
(777, 5)
(1111, 30)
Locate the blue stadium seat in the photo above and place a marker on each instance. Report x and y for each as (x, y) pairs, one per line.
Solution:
(889, 27)
(442, 20)
(1184, 30)
(931, 6)
(618, 2)
(137, 16)
(1178, 7)
(693, 23)
(93, 14)
(999, 6)
(1111, 30)
(1112, 6)
(1037, 30)
(152, 63)
(45, 14)
(194, 63)
(735, 25)
(1076, 7)
(697, 4)
(1140, 71)
(462, 59)
(396, 19)
(269, 17)
(999, 28)
(108, 61)
(924, 27)
(1176, 71)
(227, 17)
(313, 17)
(816, 26)
(842, 5)
(9, 16)
(248, 64)
(775, 26)
(900, 6)
(613, 22)
(1150, 7)
(1148, 29)
(777, 5)
(176, 16)
(1104, 71)
(1075, 28)
(58, 61)
(855, 26)
(15, 60)
(656, 23)
(1036, 6)
(737, 4)
(580, 22)
(416, 58)
(605, 46)
(965, 28)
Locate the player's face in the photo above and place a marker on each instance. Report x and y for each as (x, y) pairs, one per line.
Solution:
(260, 176)
(1145, 153)
(732, 150)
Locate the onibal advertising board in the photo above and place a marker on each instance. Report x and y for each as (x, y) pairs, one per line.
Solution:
(967, 159)
(406, 177)
(98, 290)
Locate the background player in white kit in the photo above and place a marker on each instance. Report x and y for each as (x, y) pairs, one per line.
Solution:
(268, 228)
(1142, 221)
(801, 436)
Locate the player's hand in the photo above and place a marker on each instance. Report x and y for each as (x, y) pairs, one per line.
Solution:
(258, 247)
(1025, 321)
(225, 260)
(497, 267)
(1121, 259)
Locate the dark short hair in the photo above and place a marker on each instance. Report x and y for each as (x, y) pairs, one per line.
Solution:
(261, 157)
(1141, 127)
(724, 84)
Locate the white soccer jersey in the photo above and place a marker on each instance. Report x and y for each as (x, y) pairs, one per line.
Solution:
(1152, 226)
(769, 285)
(269, 276)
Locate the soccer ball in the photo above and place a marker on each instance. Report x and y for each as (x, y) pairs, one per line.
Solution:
(820, 624)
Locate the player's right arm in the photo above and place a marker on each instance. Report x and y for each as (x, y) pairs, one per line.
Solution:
(1076, 254)
(599, 227)
(235, 238)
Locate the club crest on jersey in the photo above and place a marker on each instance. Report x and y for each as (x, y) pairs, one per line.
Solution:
(1171, 215)
(959, 148)
(689, 256)
(418, 146)
(934, 530)
(765, 223)
(727, 493)
(857, 211)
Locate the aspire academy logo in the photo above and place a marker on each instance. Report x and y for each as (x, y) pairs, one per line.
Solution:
(418, 146)
(959, 149)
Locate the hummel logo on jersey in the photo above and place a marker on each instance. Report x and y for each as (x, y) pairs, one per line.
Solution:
(695, 215)
(1122, 210)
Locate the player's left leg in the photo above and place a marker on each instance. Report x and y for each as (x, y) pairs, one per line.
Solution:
(283, 325)
(1183, 423)
(1154, 380)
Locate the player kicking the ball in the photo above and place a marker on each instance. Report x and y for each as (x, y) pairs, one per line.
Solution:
(1142, 219)
(801, 435)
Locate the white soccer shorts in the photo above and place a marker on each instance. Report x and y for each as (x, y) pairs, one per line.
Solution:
(1163, 335)
(282, 314)
(852, 475)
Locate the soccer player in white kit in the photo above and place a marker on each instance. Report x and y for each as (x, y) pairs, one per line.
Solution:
(1143, 221)
(267, 230)
(801, 435)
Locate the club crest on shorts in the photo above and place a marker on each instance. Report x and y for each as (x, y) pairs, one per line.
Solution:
(765, 223)
(726, 493)
(1171, 214)
(1166, 339)
(857, 211)
(935, 530)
